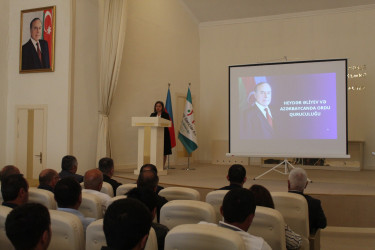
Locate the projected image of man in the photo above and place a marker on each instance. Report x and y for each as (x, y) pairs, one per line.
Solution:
(258, 119)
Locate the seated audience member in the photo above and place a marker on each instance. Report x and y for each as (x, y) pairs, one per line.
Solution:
(107, 167)
(69, 166)
(238, 210)
(297, 182)
(149, 198)
(93, 181)
(29, 227)
(15, 190)
(151, 167)
(149, 180)
(48, 179)
(68, 195)
(8, 170)
(236, 177)
(126, 225)
(263, 198)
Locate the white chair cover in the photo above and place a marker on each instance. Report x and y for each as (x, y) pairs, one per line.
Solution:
(215, 198)
(91, 206)
(4, 241)
(107, 189)
(67, 231)
(118, 197)
(202, 237)
(179, 212)
(95, 237)
(294, 209)
(269, 224)
(152, 241)
(180, 193)
(43, 197)
(124, 188)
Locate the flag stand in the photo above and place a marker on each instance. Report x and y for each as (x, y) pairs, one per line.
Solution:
(168, 164)
(188, 168)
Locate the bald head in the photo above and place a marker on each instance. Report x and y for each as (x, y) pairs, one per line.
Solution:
(93, 179)
(48, 177)
(148, 179)
(8, 170)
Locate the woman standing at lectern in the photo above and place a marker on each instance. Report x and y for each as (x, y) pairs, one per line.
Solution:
(159, 111)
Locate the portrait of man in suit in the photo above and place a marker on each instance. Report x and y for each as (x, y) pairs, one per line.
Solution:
(37, 40)
(35, 54)
(258, 119)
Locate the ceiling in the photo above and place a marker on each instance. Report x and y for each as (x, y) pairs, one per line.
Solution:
(219, 10)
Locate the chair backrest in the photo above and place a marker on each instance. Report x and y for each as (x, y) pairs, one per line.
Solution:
(152, 241)
(67, 231)
(269, 224)
(180, 193)
(118, 197)
(179, 212)
(91, 206)
(295, 212)
(107, 189)
(201, 236)
(43, 197)
(124, 188)
(4, 241)
(215, 198)
(95, 237)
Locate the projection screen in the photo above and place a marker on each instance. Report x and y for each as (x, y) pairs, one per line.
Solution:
(290, 109)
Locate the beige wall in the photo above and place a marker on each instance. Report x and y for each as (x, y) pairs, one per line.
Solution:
(85, 84)
(303, 37)
(161, 46)
(49, 88)
(4, 29)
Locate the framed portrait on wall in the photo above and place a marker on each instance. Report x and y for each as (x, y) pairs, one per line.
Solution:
(37, 40)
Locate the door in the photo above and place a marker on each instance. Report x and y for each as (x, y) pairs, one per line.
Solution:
(31, 141)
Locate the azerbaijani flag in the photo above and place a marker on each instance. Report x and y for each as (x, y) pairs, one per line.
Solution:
(47, 29)
(168, 109)
(187, 134)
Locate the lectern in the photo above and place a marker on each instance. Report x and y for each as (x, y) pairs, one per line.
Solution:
(151, 141)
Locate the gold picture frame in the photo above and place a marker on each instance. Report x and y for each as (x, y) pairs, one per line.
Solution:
(37, 40)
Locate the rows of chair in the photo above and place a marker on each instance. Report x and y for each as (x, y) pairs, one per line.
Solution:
(184, 208)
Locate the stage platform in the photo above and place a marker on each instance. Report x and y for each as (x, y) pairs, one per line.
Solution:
(348, 197)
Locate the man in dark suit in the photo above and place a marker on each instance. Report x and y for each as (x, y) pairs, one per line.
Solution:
(236, 177)
(69, 166)
(150, 180)
(35, 53)
(297, 182)
(258, 120)
(48, 179)
(107, 167)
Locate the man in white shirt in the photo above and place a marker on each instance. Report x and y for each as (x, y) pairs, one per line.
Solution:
(93, 181)
(238, 210)
(68, 195)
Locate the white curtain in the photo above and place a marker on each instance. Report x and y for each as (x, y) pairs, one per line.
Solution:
(113, 19)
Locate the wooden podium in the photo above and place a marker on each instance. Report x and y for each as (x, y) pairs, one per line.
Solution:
(151, 141)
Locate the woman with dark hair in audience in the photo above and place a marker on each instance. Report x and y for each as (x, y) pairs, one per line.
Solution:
(263, 198)
(159, 111)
